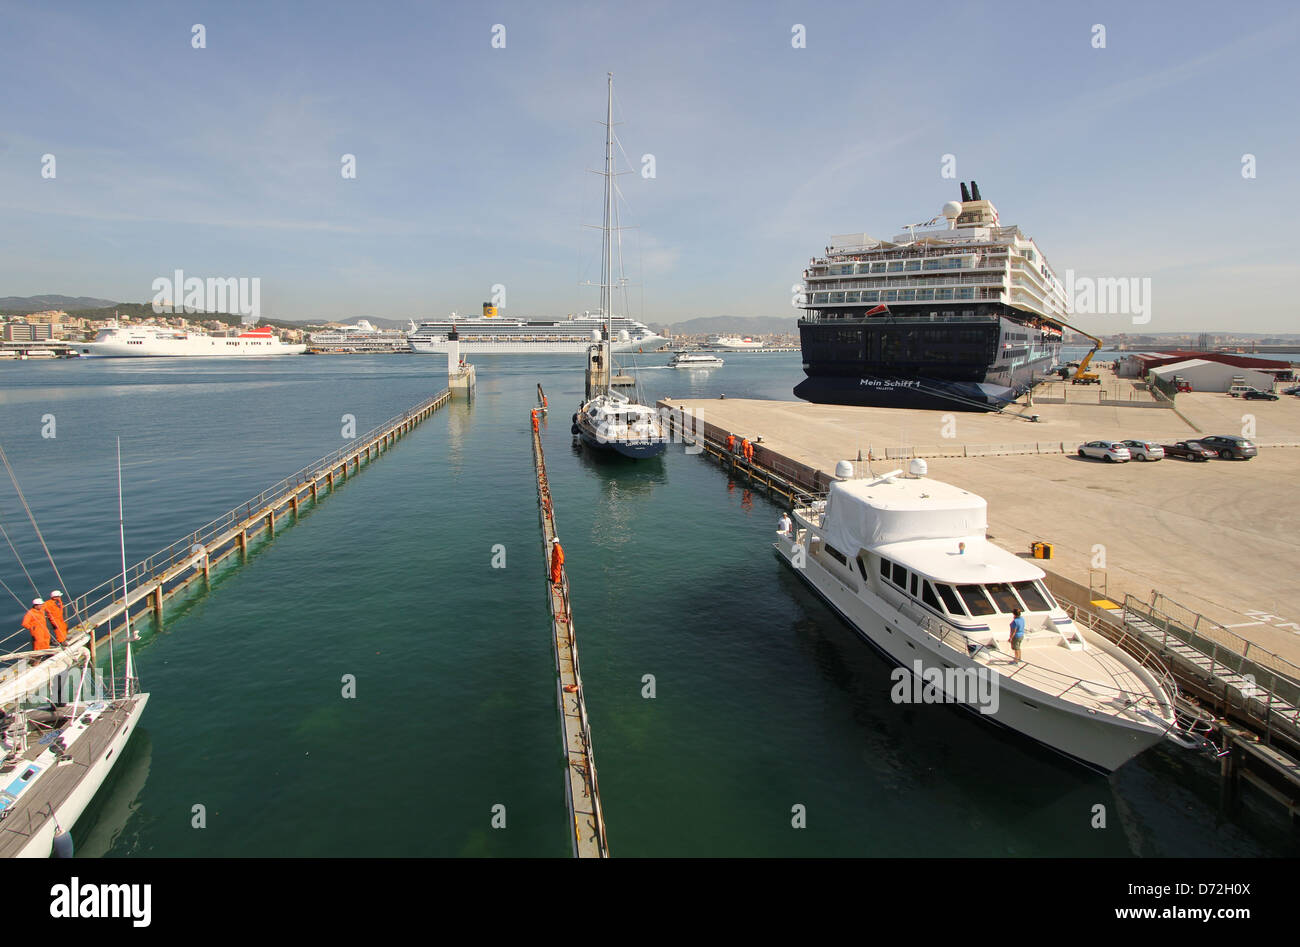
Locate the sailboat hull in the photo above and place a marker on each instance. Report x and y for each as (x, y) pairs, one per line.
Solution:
(33, 830)
(637, 450)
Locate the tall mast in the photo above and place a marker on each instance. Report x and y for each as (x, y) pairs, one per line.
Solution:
(607, 231)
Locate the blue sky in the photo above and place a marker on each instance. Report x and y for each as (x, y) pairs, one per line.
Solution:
(225, 161)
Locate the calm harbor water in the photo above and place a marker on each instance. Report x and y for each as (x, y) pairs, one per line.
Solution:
(764, 700)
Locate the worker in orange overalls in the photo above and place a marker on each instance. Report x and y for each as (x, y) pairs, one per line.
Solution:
(557, 561)
(534, 417)
(731, 443)
(744, 447)
(53, 609)
(34, 622)
(750, 456)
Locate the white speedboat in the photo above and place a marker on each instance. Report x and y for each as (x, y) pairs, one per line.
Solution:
(905, 561)
(694, 360)
(146, 341)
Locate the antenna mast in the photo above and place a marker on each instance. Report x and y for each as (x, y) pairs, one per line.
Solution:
(607, 232)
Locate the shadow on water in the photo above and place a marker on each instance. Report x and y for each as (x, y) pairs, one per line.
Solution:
(105, 821)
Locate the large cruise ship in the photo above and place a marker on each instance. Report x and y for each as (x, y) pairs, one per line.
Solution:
(492, 333)
(960, 316)
(361, 337)
(145, 341)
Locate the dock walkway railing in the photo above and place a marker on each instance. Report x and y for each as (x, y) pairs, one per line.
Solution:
(173, 567)
(582, 790)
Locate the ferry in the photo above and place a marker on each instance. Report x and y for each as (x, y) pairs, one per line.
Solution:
(491, 332)
(905, 561)
(961, 316)
(147, 341)
(694, 360)
(732, 343)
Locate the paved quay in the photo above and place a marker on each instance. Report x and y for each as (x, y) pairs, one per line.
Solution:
(1221, 537)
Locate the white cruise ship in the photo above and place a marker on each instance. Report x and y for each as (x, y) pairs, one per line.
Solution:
(145, 341)
(961, 312)
(491, 333)
(362, 337)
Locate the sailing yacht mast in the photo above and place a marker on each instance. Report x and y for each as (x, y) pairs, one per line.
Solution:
(607, 233)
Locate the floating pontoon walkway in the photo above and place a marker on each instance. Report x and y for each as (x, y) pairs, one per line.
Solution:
(580, 786)
(100, 613)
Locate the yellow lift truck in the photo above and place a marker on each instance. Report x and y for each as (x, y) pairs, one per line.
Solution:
(1081, 374)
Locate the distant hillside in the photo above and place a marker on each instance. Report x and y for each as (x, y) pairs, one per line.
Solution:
(21, 305)
(145, 311)
(745, 325)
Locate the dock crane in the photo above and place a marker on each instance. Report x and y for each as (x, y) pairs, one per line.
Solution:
(1081, 374)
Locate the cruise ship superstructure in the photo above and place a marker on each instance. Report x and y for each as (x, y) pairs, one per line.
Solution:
(494, 333)
(960, 312)
(361, 337)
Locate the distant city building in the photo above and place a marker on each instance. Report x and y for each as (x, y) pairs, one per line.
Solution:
(26, 331)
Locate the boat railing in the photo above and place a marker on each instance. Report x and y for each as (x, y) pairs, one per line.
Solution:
(110, 592)
(1132, 645)
(1047, 680)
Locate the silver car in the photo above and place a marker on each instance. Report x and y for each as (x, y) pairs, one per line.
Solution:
(1145, 450)
(1113, 451)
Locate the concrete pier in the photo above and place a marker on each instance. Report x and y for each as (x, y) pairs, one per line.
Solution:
(1222, 537)
(581, 788)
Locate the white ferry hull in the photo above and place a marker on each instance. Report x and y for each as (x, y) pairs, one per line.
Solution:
(189, 348)
(69, 811)
(1101, 743)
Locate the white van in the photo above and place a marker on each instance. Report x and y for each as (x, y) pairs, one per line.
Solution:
(1237, 391)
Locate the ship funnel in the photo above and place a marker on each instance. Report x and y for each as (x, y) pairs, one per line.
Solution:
(965, 194)
(975, 192)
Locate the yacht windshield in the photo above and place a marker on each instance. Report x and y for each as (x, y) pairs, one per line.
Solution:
(1003, 597)
(1033, 597)
(976, 603)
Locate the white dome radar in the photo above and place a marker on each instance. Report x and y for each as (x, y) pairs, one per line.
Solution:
(844, 470)
(918, 467)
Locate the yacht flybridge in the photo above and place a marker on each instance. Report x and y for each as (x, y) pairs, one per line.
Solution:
(905, 561)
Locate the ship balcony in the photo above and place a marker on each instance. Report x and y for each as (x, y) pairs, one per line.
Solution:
(927, 294)
(891, 319)
(909, 281)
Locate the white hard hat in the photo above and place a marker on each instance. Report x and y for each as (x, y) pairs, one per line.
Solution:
(37, 601)
(555, 539)
(56, 594)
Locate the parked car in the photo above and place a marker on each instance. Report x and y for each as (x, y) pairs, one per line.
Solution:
(1112, 451)
(1254, 394)
(1189, 450)
(1145, 450)
(1231, 447)
(1293, 390)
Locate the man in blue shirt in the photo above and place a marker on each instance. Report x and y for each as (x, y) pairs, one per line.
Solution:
(1017, 632)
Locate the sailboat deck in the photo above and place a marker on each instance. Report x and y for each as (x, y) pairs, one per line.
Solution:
(29, 815)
